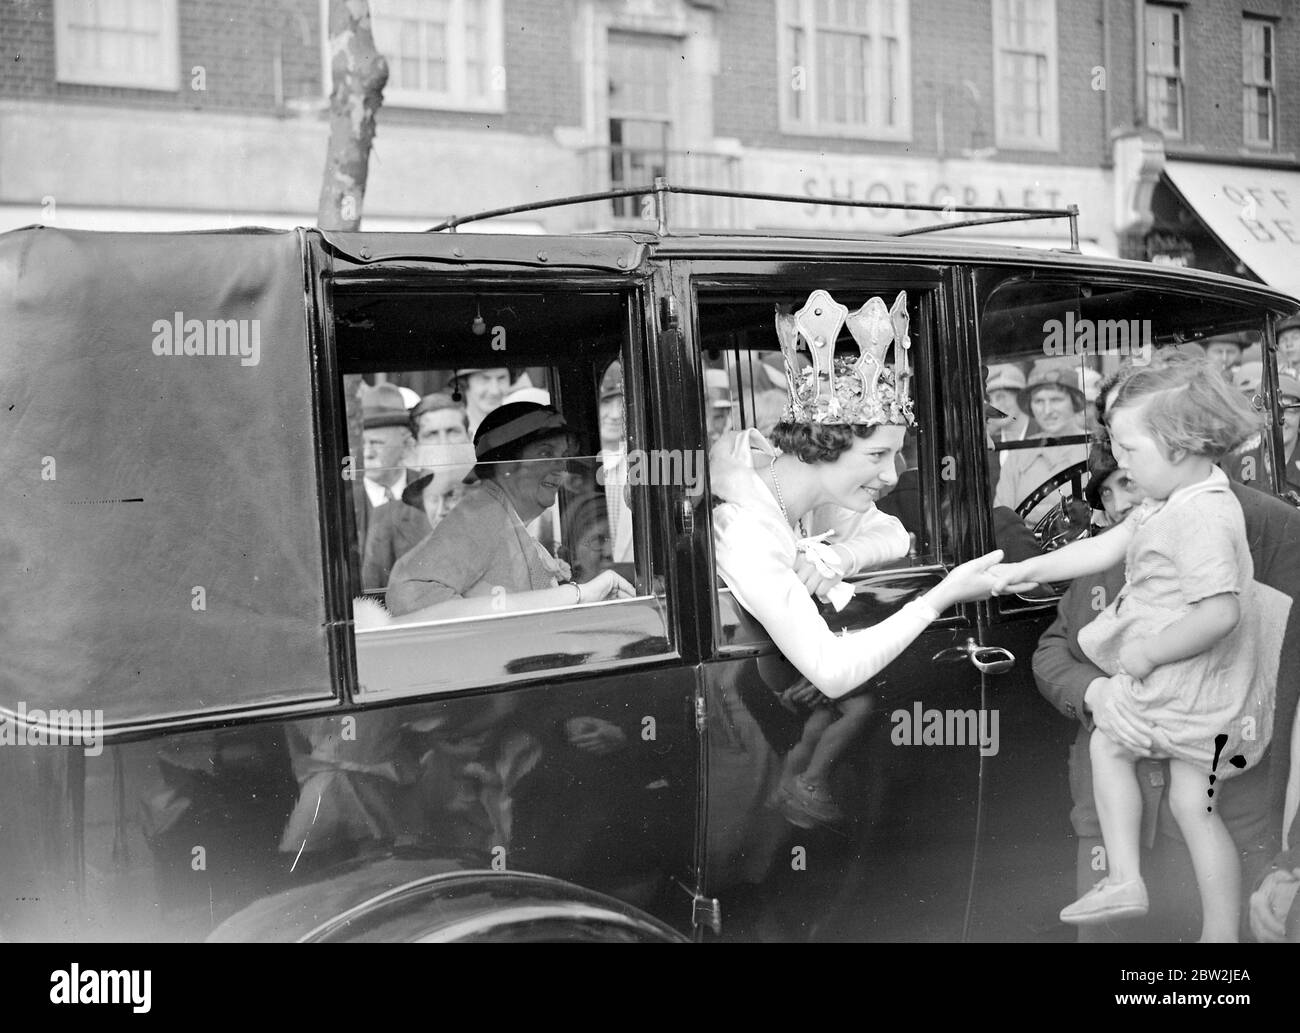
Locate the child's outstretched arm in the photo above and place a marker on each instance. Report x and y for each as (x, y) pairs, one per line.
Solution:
(1086, 556)
(1209, 620)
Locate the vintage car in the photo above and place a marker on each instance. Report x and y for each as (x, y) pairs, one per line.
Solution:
(201, 742)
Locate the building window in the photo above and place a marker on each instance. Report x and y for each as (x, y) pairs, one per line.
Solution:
(1164, 68)
(845, 68)
(1024, 38)
(117, 43)
(1258, 101)
(442, 53)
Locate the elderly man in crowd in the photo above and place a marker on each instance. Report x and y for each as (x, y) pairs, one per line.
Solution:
(386, 441)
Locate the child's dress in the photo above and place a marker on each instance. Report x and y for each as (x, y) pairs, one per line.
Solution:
(1188, 548)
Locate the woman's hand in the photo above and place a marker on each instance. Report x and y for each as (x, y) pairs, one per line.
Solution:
(606, 585)
(1010, 578)
(965, 583)
(806, 571)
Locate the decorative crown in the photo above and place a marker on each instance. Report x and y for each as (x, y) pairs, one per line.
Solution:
(845, 390)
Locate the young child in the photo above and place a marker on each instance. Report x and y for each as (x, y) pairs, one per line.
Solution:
(1199, 650)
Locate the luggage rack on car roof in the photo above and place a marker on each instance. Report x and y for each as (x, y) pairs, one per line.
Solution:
(661, 188)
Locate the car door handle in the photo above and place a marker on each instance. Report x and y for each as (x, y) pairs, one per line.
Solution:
(987, 659)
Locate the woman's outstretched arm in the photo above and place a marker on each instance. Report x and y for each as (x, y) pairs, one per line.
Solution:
(758, 567)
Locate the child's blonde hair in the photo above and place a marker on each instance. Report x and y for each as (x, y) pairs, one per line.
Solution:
(1189, 406)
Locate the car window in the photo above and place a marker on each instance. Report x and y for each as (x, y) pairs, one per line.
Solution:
(531, 554)
(1047, 350)
(745, 387)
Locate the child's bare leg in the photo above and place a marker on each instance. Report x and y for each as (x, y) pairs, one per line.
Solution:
(802, 752)
(854, 712)
(1119, 806)
(1214, 855)
(1122, 894)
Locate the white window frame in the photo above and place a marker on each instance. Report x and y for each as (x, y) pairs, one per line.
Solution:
(1251, 83)
(1178, 71)
(802, 14)
(164, 74)
(457, 95)
(1004, 47)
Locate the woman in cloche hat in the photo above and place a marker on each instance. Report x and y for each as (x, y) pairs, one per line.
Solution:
(481, 559)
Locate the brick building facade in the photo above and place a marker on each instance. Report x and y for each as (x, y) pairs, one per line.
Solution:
(174, 113)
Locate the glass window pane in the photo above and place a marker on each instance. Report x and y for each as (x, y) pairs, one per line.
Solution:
(476, 583)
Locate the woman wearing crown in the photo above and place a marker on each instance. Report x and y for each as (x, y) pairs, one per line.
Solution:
(793, 516)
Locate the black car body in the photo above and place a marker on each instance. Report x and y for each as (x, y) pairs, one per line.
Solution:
(182, 531)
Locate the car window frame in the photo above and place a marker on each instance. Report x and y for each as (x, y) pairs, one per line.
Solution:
(929, 280)
(424, 277)
(987, 278)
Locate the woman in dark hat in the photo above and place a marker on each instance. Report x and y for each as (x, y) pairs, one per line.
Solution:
(481, 559)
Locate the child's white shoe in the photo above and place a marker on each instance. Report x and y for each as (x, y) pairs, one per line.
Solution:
(1108, 901)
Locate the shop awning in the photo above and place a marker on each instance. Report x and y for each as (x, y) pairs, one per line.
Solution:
(1254, 213)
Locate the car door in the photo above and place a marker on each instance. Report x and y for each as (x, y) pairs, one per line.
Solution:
(1055, 332)
(892, 861)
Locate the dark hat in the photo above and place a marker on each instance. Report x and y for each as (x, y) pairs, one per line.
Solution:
(413, 494)
(1060, 377)
(1101, 464)
(513, 424)
(611, 384)
(383, 406)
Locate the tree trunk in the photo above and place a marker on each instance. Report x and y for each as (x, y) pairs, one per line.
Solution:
(360, 73)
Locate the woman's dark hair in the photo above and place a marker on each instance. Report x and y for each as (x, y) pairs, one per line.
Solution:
(819, 442)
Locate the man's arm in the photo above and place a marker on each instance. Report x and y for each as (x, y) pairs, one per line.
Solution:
(1061, 671)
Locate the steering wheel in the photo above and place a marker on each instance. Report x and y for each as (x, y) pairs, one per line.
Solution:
(1054, 529)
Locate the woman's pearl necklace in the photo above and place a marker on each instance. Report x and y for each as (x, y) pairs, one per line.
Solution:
(780, 499)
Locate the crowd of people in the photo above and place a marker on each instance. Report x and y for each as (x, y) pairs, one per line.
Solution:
(461, 487)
